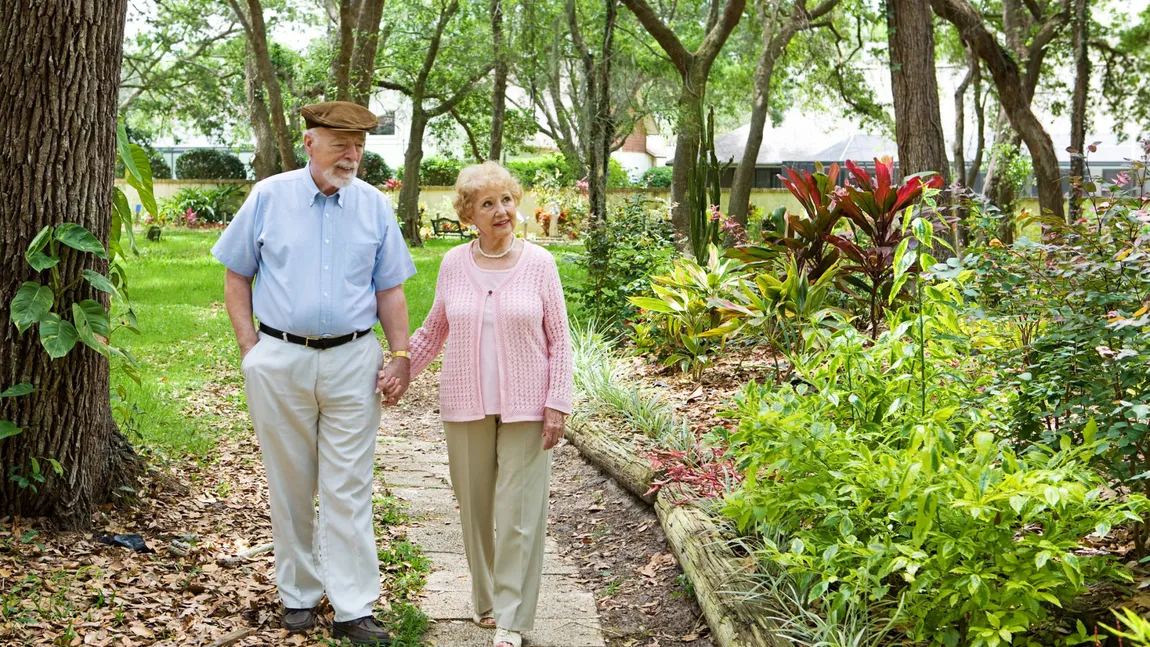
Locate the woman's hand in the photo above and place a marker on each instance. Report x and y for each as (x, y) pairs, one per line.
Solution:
(553, 425)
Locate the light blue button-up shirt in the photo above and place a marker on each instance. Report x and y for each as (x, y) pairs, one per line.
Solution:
(319, 260)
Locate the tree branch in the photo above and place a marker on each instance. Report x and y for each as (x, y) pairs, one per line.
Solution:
(461, 93)
(470, 135)
(433, 47)
(680, 57)
(392, 85)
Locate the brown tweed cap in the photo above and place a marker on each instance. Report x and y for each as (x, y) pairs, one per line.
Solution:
(339, 115)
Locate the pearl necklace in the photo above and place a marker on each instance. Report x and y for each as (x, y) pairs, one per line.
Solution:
(505, 252)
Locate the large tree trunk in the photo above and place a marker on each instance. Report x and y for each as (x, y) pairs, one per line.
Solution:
(60, 65)
(257, 34)
(409, 193)
(264, 159)
(1013, 97)
(601, 117)
(690, 129)
(340, 81)
(499, 89)
(1078, 107)
(367, 41)
(740, 200)
(918, 121)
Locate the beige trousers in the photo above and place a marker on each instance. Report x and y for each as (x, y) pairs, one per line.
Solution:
(502, 477)
(316, 414)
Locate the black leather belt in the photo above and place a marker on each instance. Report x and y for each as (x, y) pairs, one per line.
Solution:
(318, 343)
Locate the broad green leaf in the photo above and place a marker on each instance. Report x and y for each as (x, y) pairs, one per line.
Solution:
(121, 206)
(143, 183)
(1089, 431)
(8, 429)
(124, 148)
(101, 282)
(24, 388)
(77, 237)
(56, 467)
(35, 255)
(903, 261)
(57, 335)
(652, 304)
(31, 303)
(91, 320)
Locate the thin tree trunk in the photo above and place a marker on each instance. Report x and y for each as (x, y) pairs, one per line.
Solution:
(774, 45)
(368, 38)
(256, 30)
(60, 67)
(604, 129)
(694, 68)
(499, 89)
(960, 176)
(1078, 107)
(409, 193)
(264, 159)
(1013, 97)
(341, 62)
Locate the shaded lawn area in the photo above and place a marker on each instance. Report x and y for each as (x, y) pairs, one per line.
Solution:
(177, 291)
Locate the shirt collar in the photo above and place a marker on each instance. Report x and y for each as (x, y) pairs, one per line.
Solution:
(315, 192)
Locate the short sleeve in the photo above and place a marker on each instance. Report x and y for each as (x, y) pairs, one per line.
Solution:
(238, 248)
(393, 264)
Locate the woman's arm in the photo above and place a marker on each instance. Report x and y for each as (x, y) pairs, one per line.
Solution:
(561, 366)
(427, 342)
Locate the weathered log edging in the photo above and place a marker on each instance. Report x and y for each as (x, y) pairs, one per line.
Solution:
(602, 446)
(706, 559)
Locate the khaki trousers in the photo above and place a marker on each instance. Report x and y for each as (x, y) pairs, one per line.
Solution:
(316, 414)
(502, 476)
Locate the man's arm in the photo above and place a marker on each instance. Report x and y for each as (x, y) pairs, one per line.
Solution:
(238, 300)
(391, 307)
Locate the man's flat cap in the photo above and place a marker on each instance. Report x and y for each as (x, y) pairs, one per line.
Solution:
(339, 115)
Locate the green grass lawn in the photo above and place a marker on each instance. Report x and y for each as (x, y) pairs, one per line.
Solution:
(186, 340)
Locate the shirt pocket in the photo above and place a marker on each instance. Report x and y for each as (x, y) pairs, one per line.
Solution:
(359, 262)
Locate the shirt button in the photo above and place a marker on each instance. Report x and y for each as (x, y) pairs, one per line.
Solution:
(325, 294)
(327, 241)
(326, 216)
(325, 268)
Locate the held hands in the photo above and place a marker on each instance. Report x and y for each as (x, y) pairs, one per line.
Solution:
(393, 381)
(553, 425)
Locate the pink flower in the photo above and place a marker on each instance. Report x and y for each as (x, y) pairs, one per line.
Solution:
(716, 215)
(1122, 179)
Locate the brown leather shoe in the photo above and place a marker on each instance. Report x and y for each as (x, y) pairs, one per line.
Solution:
(362, 631)
(296, 620)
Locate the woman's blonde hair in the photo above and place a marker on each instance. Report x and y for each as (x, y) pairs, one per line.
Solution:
(476, 178)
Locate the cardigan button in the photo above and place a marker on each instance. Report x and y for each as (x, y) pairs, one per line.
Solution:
(490, 292)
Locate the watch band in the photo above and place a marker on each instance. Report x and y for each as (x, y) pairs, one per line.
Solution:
(400, 353)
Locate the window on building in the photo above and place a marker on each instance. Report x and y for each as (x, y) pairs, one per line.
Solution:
(386, 124)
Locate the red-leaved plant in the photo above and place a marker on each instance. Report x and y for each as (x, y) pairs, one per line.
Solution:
(874, 207)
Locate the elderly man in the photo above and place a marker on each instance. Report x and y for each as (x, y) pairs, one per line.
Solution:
(330, 261)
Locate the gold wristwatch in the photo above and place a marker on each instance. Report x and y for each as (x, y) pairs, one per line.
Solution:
(400, 353)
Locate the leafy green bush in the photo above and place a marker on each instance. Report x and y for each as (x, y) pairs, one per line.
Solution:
(193, 206)
(657, 177)
(530, 171)
(439, 171)
(209, 164)
(635, 241)
(617, 177)
(683, 312)
(885, 488)
(1068, 323)
(373, 170)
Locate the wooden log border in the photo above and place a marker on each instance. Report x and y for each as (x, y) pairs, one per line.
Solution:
(705, 557)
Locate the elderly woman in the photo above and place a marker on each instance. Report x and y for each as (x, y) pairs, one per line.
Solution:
(505, 390)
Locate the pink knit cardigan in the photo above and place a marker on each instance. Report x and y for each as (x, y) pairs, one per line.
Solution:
(534, 344)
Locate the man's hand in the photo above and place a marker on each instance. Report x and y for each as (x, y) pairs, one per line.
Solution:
(393, 380)
(553, 425)
(247, 348)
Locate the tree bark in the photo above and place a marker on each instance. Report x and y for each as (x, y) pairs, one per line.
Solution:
(776, 38)
(499, 89)
(960, 119)
(256, 30)
(1078, 107)
(368, 38)
(918, 121)
(596, 108)
(694, 68)
(341, 62)
(1013, 98)
(409, 192)
(264, 159)
(60, 65)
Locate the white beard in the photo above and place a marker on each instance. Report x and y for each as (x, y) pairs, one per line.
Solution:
(338, 179)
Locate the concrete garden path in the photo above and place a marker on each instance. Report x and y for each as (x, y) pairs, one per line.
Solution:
(412, 458)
